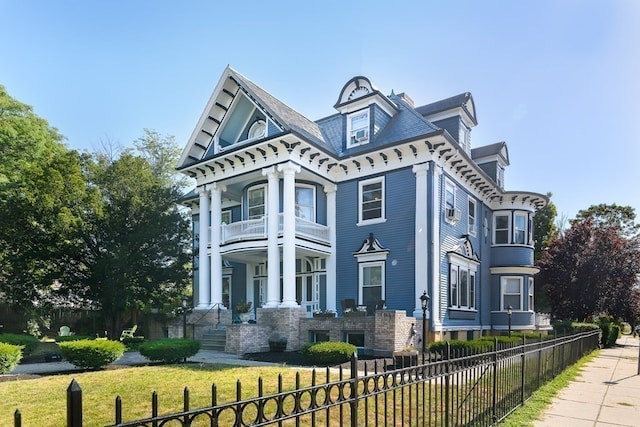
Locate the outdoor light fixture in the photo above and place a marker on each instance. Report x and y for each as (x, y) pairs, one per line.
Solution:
(185, 301)
(509, 313)
(424, 301)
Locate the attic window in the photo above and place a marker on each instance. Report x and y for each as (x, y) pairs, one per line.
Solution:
(358, 128)
(257, 130)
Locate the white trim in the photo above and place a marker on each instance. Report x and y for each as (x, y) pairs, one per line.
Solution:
(514, 270)
(382, 217)
(472, 228)
(530, 294)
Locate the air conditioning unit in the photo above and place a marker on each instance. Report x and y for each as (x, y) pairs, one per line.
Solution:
(453, 214)
(361, 135)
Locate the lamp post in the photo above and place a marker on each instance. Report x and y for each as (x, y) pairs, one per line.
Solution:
(185, 300)
(93, 316)
(424, 301)
(509, 313)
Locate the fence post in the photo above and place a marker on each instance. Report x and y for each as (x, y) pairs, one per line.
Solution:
(523, 369)
(74, 404)
(447, 384)
(494, 402)
(17, 418)
(354, 390)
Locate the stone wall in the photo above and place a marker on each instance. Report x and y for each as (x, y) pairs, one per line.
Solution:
(283, 320)
(247, 338)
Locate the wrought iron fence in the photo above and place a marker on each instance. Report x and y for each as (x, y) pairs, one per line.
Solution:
(448, 389)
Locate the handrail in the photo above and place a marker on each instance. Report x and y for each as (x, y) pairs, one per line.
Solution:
(218, 305)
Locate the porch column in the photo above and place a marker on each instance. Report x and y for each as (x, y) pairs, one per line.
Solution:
(330, 191)
(216, 259)
(273, 252)
(421, 254)
(436, 216)
(289, 170)
(203, 260)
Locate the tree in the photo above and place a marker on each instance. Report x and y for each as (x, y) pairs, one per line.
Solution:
(544, 230)
(603, 215)
(42, 193)
(136, 242)
(592, 269)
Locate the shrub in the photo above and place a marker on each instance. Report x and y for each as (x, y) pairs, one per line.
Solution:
(328, 353)
(10, 356)
(92, 354)
(614, 333)
(64, 338)
(133, 343)
(28, 343)
(169, 350)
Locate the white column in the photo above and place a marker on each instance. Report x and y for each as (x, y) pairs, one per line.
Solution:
(421, 254)
(435, 248)
(203, 261)
(330, 190)
(216, 259)
(289, 234)
(273, 252)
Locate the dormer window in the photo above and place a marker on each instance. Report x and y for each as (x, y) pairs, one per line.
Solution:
(358, 128)
(257, 130)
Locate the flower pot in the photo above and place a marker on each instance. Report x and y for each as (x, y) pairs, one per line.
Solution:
(244, 317)
(355, 314)
(328, 315)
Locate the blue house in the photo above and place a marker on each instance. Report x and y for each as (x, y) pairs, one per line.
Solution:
(370, 207)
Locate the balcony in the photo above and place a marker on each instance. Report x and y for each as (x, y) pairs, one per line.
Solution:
(253, 229)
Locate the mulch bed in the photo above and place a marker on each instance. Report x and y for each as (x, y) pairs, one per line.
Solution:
(294, 358)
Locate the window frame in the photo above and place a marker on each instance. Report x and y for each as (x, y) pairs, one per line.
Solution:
(313, 198)
(226, 213)
(517, 232)
(361, 201)
(262, 187)
(504, 280)
(496, 229)
(530, 293)
(458, 268)
(351, 131)
(361, 285)
(472, 216)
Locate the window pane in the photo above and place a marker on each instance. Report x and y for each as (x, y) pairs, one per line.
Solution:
(502, 222)
(371, 201)
(513, 301)
(463, 288)
(472, 290)
(359, 122)
(502, 236)
(512, 286)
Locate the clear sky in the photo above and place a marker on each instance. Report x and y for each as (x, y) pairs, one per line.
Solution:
(557, 80)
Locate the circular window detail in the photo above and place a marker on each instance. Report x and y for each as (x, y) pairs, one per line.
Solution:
(258, 129)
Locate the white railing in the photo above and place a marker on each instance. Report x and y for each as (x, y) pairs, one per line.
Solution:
(244, 230)
(543, 321)
(257, 229)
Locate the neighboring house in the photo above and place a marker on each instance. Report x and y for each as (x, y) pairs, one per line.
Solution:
(378, 203)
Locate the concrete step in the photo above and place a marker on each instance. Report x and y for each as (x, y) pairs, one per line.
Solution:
(214, 339)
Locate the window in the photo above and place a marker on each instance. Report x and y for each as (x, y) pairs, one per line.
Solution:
(226, 216)
(318, 336)
(358, 128)
(472, 216)
(463, 137)
(257, 130)
(371, 200)
(530, 307)
(355, 338)
(449, 195)
(500, 177)
(511, 289)
(305, 203)
(226, 290)
(453, 286)
(501, 228)
(371, 282)
(519, 229)
(256, 202)
(462, 285)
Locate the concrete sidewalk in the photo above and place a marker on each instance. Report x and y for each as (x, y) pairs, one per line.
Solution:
(606, 393)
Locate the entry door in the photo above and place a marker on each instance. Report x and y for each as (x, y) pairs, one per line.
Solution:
(308, 293)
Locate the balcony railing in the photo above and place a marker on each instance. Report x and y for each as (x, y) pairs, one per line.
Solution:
(257, 229)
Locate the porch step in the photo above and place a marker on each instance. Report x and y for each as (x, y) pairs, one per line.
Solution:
(214, 339)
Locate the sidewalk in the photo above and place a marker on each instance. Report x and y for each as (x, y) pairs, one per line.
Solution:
(606, 393)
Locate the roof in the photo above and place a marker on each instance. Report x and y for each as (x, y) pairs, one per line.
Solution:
(491, 150)
(463, 100)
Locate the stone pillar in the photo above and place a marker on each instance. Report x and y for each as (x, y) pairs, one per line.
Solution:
(273, 252)
(203, 259)
(216, 259)
(289, 234)
(330, 191)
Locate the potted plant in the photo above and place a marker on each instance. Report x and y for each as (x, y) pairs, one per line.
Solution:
(277, 342)
(243, 309)
(359, 311)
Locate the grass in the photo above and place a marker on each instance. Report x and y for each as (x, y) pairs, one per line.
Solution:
(526, 415)
(42, 401)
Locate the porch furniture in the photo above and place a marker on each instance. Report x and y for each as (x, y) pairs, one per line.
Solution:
(64, 331)
(348, 303)
(128, 333)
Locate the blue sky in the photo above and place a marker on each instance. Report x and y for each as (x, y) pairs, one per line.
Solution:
(557, 80)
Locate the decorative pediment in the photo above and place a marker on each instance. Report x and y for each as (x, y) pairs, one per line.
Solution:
(371, 250)
(464, 248)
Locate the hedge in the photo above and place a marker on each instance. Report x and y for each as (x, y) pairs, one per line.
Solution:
(92, 354)
(29, 343)
(10, 356)
(64, 338)
(328, 353)
(169, 350)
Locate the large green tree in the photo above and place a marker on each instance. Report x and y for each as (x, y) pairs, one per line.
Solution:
(137, 240)
(42, 194)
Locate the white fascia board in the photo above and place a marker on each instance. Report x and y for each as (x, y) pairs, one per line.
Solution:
(514, 270)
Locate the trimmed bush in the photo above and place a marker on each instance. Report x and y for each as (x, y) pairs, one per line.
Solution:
(10, 356)
(169, 350)
(133, 343)
(65, 338)
(328, 353)
(91, 354)
(28, 343)
(614, 334)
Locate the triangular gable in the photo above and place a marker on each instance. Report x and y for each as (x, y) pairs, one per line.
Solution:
(238, 111)
(371, 250)
(464, 248)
